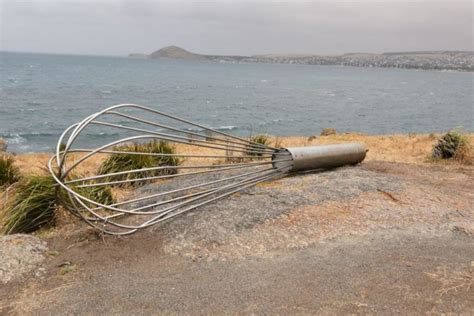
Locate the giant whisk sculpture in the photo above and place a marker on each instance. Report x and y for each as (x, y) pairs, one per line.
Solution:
(202, 166)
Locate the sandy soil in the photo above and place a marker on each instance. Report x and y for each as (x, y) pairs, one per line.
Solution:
(378, 238)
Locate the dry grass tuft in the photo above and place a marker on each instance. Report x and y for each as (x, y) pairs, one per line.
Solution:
(453, 145)
(35, 202)
(30, 207)
(129, 161)
(255, 150)
(9, 171)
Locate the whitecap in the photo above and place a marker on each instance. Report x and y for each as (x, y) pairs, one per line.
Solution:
(226, 128)
(14, 139)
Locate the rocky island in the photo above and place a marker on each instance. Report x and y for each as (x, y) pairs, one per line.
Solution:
(429, 60)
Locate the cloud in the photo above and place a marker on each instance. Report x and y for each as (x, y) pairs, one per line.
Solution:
(235, 27)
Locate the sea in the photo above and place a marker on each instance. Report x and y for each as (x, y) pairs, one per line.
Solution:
(41, 95)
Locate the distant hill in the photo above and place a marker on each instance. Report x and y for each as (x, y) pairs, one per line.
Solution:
(176, 53)
(429, 60)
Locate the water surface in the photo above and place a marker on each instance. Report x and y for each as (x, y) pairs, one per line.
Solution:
(41, 95)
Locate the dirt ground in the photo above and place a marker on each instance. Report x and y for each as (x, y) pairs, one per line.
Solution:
(379, 238)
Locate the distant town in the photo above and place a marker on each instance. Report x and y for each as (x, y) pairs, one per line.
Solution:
(428, 60)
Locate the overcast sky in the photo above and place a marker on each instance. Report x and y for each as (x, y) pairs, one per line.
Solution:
(119, 27)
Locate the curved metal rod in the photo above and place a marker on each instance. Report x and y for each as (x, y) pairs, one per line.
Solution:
(183, 140)
(207, 137)
(185, 188)
(167, 155)
(183, 121)
(253, 158)
(169, 176)
(223, 166)
(162, 217)
(82, 198)
(169, 210)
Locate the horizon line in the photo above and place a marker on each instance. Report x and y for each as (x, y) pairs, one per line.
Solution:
(260, 54)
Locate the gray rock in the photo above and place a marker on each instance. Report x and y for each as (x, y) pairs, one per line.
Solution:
(19, 254)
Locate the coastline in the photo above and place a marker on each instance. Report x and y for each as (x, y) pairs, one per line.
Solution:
(462, 61)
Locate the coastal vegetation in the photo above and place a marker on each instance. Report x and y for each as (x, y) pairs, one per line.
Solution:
(34, 200)
(9, 172)
(158, 165)
(251, 150)
(33, 203)
(99, 194)
(453, 145)
(255, 150)
(29, 206)
(31, 199)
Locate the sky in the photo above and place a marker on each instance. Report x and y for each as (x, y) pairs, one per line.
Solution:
(120, 27)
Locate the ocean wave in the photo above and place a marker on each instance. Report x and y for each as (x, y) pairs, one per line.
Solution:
(272, 122)
(102, 134)
(26, 135)
(22, 137)
(220, 128)
(13, 138)
(226, 128)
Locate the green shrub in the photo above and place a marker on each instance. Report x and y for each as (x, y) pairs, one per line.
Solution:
(33, 201)
(30, 207)
(118, 162)
(9, 173)
(100, 194)
(254, 150)
(452, 145)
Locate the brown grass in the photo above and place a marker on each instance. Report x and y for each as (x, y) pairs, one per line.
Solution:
(465, 154)
(408, 148)
(36, 163)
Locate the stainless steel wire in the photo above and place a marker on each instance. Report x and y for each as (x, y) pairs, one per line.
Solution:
(213, 165)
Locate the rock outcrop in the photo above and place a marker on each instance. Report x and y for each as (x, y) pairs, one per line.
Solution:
(19, 254)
